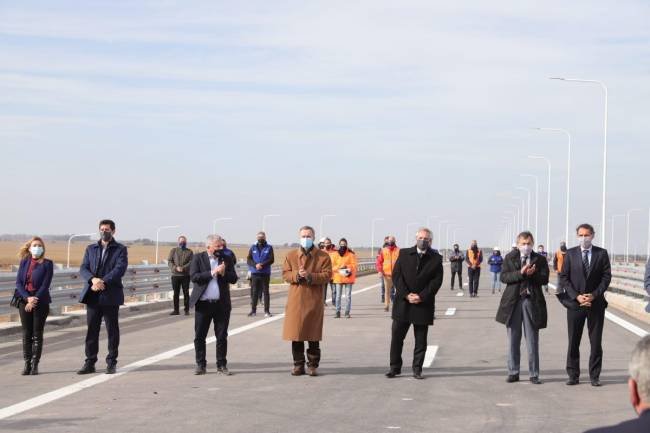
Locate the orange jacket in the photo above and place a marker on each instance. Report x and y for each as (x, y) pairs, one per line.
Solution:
(386, 260)
(558, 260)
(349, 261)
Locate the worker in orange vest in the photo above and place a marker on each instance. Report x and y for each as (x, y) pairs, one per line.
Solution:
(385, 265)
(558, 261)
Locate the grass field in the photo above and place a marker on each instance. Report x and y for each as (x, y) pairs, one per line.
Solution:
(57, 251)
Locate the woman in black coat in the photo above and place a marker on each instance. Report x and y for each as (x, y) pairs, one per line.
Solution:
(33, 287)
(523, 303)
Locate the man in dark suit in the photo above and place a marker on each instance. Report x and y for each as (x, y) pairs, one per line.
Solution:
(523, 304)
(639, 386)
(417, 277)
(212, 272)
(102, 269)
(586, 274)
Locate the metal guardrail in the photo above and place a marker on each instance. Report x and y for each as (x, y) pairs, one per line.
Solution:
(139, 280)
(629, 281)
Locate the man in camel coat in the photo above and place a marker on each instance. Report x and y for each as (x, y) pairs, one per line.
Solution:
(307, 270)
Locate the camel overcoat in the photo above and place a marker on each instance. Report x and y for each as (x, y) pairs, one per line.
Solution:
(303, 320)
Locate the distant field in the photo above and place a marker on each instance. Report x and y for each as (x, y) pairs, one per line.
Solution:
(57, 251)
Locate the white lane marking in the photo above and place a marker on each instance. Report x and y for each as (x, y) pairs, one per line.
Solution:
(450, 311)
(460, 294)
(393, 427)
(619, 320)
(407, 399)
(430, 356)
(65, 391)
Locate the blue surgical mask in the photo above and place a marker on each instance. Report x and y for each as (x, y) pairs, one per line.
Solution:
(306, 243)
(36, 251)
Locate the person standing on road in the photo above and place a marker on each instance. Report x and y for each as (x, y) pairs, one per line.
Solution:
(639, 392)
(474, 258)
(523, 304)
(542, 252)
(326, 245)
(586, 274)
(344, 274)
(33, 289)
(558, 262)
(385, 265)
(496, 262)
(104, 264)
(179, 261)
(456, 260)
(307, 270)
(260, 258)
(212, 272)
(417, 275)
(382, 286)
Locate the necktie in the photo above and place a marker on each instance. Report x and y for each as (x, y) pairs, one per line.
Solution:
(585, 262)
(523, 287)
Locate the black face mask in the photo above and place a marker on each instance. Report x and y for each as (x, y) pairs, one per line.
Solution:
(106, 236)
(262, 242)
(342, 250)
(563, 248)
(182, 245)
(456, 249)
(474, 247)
(390, 244)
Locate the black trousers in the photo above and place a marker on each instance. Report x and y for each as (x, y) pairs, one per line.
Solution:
(94, 316)
(398, 333)
(206, 313)
(313, 353)
(260, 286)
(183, 282)
(576, 321)
(474, 275)
(460, 278)
(33, 324)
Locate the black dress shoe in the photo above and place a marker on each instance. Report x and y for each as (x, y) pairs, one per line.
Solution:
(417, 374)
(392, 373)
(535, 381)
(187, 312)
(34, 371)
(512, 378)
(573, 381)
(87, 369)
(174, 313)
(595, 382)
(27, 370)
(111, 368)
(224, 371)
(200, 369)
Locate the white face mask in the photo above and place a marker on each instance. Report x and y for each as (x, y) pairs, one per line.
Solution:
(36, 251)
(525, 250)
(585, 241)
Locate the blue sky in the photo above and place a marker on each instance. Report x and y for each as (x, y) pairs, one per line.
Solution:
(157, 113)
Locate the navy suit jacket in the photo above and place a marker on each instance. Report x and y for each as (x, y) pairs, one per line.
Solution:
(41, 279)
(573, 281)
(114, 268)
(640, 424)
(201, 275)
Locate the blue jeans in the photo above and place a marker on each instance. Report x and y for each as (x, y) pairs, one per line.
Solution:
(348, 295)
(496, 280)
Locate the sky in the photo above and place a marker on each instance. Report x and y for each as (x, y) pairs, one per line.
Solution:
(180, 112)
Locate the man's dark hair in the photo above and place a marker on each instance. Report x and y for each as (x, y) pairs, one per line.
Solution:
(526, 235)
(110, 223)
(586, 226)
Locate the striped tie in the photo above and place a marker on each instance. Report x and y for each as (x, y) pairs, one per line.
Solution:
(585, 262)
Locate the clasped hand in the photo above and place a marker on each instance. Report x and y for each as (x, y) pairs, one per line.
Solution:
(97, 285)
(528, 270)
(219, 270)
(585, 300)
(414, 298)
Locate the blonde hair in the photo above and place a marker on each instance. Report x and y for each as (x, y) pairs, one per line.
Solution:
(24, 252)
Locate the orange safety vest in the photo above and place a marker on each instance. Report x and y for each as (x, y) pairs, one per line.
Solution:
(560, 259)
(390, 257)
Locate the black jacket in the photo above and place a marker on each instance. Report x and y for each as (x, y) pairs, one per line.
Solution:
(414, 275)
(640, 424)
(511, 275)
(201, 275)
(456, 260)
(114, 268)
(573, 282)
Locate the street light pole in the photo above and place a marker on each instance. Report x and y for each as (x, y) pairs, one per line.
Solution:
(627, 234)
(158, 237)
(372, 235)
(70, 241)
(568, 178)
(264, 220)
(604, 87)
(216, 220)
(528, 205)
(322, 219)
(612, 243)
(548, 200)
(407, 231)
(536, 203)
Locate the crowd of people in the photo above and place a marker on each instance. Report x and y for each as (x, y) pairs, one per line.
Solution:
(410, 279)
